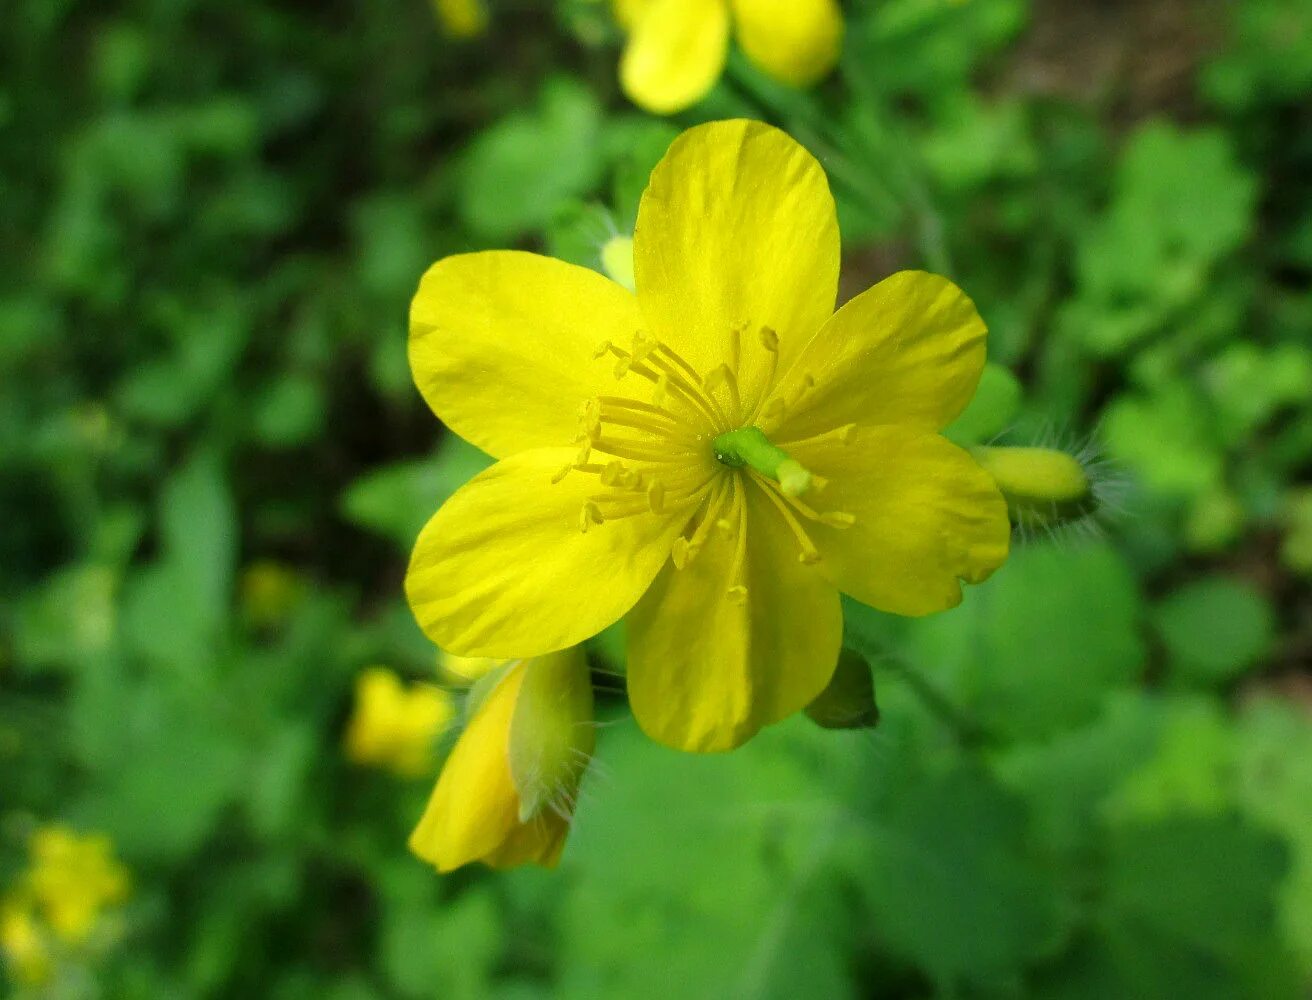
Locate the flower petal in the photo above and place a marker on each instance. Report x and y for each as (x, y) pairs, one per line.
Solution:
(795, 41)
(502, 343)
(926, 515)
(474, 808)
(503, 570)
(707, 669)
(908, 351)
(736, 227)
(675, 53)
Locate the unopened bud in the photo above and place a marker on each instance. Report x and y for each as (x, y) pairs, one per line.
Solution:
(1043, 487)
(849, 700)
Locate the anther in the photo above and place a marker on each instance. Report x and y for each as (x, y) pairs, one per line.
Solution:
(738, 594)
(847, 434)
(612, 474)
(774, 410)
(589, 515)
(769, 340)
(837, 519)
(679, 552)
(560, 476)
(725, 526)
(602, 350)
(656, 497)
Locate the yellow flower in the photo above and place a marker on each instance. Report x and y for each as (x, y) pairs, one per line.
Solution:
(461, 18)
(507, 792)
(677, 48)
(747, 454)
(73, 879)
(394, 725)
(26, 951)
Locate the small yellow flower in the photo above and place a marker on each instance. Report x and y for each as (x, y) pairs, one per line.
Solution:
(461, 18)
(677, 48)
(26, 951)
(715, 456)
(73, 880)
(394, 725)
(507, 792)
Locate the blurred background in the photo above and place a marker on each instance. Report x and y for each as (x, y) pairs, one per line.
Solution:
(217, 718)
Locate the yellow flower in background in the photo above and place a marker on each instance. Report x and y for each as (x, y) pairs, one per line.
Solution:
(715, 456)
(507, 792)
(461, 18)
(677, 49)
(74, 879)
(395, 725)
(26, 951)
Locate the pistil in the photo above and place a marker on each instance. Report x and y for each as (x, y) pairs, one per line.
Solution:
(748, 446)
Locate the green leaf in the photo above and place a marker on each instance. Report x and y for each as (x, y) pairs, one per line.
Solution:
(991, 410)
(1214, 628)
(950, 884)
(1034, 650)
(515, 174)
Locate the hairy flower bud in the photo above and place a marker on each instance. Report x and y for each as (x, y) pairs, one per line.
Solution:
(507, 792)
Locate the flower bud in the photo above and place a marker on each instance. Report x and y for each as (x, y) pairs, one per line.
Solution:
(507, 792)
(849, 700)
(1043, 487)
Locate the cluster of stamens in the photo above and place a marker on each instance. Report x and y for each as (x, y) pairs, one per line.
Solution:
(651, 456)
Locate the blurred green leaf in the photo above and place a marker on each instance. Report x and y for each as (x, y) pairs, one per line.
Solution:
(515, 174)
(1214, 628)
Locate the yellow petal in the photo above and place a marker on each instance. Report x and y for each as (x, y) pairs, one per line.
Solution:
(908, 351)
(503, 570)
(474, 808)
(926, 515)
(675, 53)
(736, 229)
(744, 635)
(502, 343)
(795, 41)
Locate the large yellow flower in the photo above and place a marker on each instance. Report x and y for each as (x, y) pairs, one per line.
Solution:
(715, 456)
(677, 48)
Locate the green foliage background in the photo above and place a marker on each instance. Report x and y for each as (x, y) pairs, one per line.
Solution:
(1094, 779)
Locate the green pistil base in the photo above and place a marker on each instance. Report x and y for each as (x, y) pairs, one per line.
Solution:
(748, 446)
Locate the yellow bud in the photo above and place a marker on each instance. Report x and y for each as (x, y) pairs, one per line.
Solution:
(507, 792)
(848, 702)
(1043, 487)
(617, 261)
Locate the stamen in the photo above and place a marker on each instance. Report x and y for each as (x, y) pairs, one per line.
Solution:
(589, 515)
(560, 476)
(809, 554)
(722, 375)
(737, 594)
(656, 497)
(770, 341)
